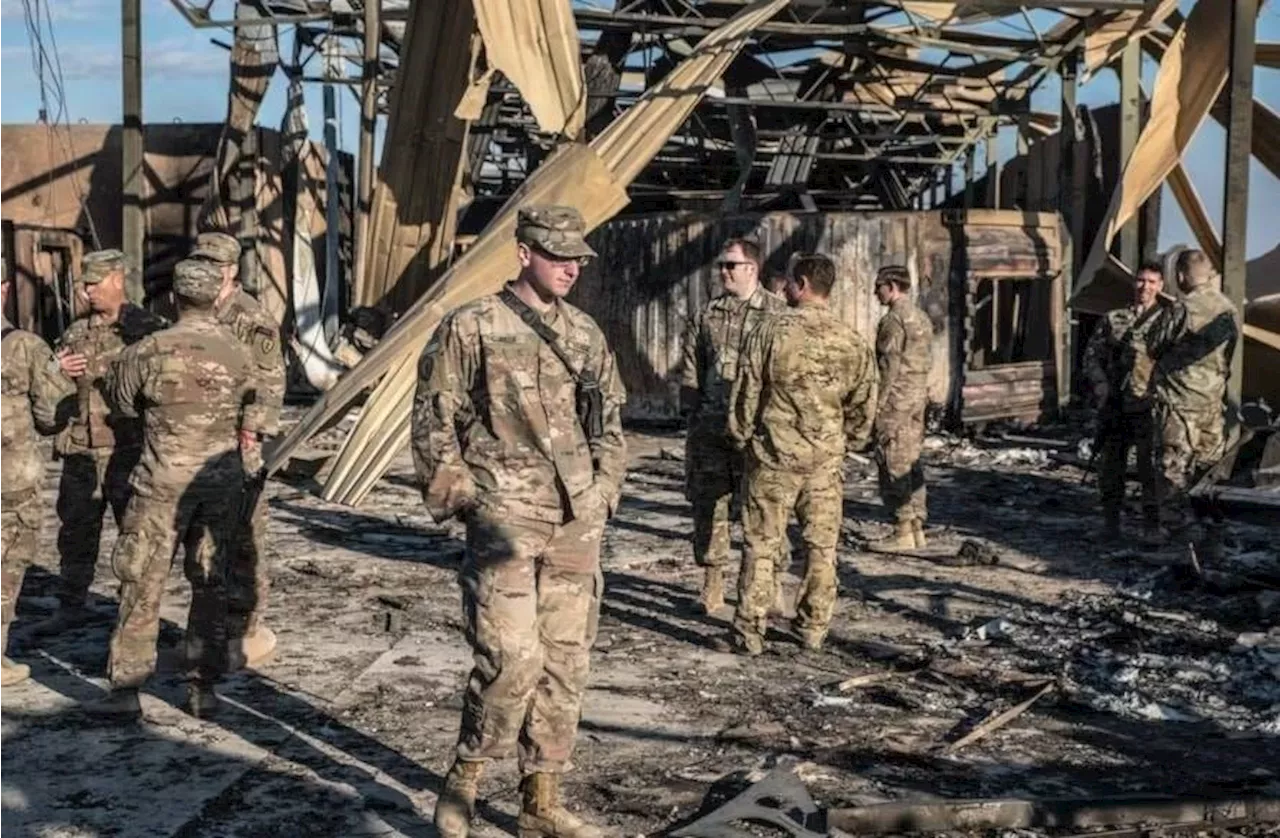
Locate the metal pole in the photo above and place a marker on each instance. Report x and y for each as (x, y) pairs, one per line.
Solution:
(1069, 207)
(332, 210)
(968, 178)
(1130, 125)
(133, 223)
(993, 169)
(368, 121)
(1235, 215)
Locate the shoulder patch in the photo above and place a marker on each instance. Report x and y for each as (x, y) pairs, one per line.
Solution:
(265, 345)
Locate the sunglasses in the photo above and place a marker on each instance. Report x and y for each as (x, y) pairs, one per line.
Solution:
(582, 261)
(726, 265)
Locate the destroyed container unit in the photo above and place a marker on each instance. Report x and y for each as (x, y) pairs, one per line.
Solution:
(989, 280)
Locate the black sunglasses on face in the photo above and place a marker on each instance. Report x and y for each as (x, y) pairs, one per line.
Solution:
(726, 265)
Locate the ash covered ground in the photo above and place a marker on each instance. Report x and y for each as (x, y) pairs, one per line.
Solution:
(1161, 684)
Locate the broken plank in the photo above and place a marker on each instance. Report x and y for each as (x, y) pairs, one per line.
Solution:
(997, 721)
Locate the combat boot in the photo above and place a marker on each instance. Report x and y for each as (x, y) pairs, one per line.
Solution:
(252, 649)
(456, 805)
(712, 597)
(542, 815)
(13, 673)
(917, 533)
(903, 538)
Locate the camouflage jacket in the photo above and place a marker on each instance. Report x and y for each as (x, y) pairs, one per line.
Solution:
(1122, 352)
(35, 392)
(805, 392)
(712, 348)
(95, 424)
(904, 354)
(191, 384)
(1192, 373)
(494, 419)
(260, 335)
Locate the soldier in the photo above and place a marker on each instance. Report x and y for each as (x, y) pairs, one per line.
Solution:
(804, 396)
(34, 392)
(99, 447)
(1191, 385)
(712, 346)
(904, 353)
(248, 576)
(1118, 362)
(191, 385)
(517, 431)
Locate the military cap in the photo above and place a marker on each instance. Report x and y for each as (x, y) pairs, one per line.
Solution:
(100, 264)
(558, 230)
(197, 280)
(217, 247)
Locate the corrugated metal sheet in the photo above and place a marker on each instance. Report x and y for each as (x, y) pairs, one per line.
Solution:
(656, 272)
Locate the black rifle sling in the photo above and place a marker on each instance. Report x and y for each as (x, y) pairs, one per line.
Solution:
(539, 326)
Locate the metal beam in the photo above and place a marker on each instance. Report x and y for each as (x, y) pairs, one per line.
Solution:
(368, 122)
(133, 226)
(1130, 126)
(1235, 215)
(1070, 204)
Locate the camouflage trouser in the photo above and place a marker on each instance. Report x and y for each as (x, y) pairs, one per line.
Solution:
(899, 438)
(91, 482)
(248, 576)
(1128, 430)
(20, 531)
(1189, 440)
(153, 527)
(713, 478)
(531, 598)
(770, 497)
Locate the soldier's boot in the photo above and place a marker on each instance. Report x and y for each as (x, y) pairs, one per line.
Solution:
(123, 703)
(917, 534)
(903, 538)
(202, 701)
(13, 673)
(542, 815)
(739, 644)
(252, 649)
(66, 618)
(712, 597)
(457, 803)
(810, 639)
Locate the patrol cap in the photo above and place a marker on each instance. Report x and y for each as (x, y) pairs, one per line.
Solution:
(217, 247)
(99, 265)
(197, 281)
(558, 230)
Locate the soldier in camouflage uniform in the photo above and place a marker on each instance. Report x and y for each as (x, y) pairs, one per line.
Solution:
(497, 441)
(249, 580)
(1118, 363)
(904, 353)
(100, 446)
(34, 391)
(804, 396)
(191, 385)
(712, 346)
(1191, 386)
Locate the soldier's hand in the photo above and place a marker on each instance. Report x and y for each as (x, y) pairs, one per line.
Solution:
(248, 440)
(72, 364)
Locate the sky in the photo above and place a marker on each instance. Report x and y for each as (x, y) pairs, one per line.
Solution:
(185, 80)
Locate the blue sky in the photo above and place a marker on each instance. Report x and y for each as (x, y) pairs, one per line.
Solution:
(185, 79)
